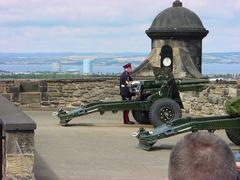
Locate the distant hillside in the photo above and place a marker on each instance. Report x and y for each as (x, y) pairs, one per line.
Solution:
(1, 71)
(222, 58)
(102, 58)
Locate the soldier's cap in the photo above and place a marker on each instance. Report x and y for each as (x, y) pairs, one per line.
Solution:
(127, 65)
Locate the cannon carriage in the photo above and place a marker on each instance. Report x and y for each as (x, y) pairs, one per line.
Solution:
(230, 123)
(156, 101)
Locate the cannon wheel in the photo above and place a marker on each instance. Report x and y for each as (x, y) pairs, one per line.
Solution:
(142, 117)
(164, 110)
(234, 135)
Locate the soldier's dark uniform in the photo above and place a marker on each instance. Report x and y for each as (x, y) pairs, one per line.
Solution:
(125, 93)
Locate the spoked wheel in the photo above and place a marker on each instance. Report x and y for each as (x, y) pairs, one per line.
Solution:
(234, 135)
(164, 110)
(142, 117)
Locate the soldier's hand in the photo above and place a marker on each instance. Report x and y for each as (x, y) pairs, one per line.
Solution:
(238, 166)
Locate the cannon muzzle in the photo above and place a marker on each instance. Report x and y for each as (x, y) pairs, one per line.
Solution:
(63, 115)
(148, 138)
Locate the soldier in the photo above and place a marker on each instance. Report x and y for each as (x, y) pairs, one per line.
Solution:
(125, 78)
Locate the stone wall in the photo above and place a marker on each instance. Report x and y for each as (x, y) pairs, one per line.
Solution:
(50, 94)
(47, 94)
(211, 100)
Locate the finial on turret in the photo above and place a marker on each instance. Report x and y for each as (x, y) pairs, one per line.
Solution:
(177, 3)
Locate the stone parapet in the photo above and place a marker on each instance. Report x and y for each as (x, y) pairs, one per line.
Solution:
(18, 143)
(45, 94)
(71, 93)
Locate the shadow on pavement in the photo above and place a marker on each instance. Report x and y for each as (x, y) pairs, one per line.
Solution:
(107, 125)
(41, 169)
(162, 147)
(80, 124)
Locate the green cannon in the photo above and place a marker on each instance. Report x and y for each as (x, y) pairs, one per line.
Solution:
(156, 101)
(231, 124)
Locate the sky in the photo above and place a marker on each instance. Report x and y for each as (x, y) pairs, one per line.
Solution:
(106, 25)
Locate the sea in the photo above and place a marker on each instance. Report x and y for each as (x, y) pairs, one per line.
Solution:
(208, 68)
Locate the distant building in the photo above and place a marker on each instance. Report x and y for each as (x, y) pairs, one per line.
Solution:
(56, 66)
(73, 71)
(87, 66)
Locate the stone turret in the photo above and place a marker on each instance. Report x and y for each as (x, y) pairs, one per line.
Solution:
(182, 30)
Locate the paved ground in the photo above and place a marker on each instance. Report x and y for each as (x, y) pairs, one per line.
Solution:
(96, 148)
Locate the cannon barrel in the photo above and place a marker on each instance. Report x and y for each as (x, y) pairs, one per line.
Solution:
(192, 84)
(183, 85)
(192, 81)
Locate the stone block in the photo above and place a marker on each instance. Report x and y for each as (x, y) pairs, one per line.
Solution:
(54, 98)
(19, 151)
(77, 103)
(43, 83)
(198, 107)
(202, 99)
(45, 103)
(8, 88)
(238, 92)
(54, 89)
(233, 92)
(77, 95)
(66, 95)
(53, 84)
(34, 105)
(54, 94)
(29, 86)
(43, 88)
(226, 91)
(55, 102)
(218, 91)
(44, 96)
(29, 98)
(53, 106)
(2, 89)
(214, 99)
(16, 170)
(70, 88)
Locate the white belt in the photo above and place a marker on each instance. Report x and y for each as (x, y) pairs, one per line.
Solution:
(122, 85)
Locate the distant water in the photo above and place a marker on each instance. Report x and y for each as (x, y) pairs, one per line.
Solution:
(221, 68)
(207, 68)
(64, 68)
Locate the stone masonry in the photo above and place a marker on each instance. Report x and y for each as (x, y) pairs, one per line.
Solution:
(211, 100)
(47, 94)
(19, 155)
(51, 94)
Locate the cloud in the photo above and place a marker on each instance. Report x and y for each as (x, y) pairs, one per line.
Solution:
(73, 12)
(93, 25)
(91, 12)
(216, 8)
(224, 39)
(87, 39)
